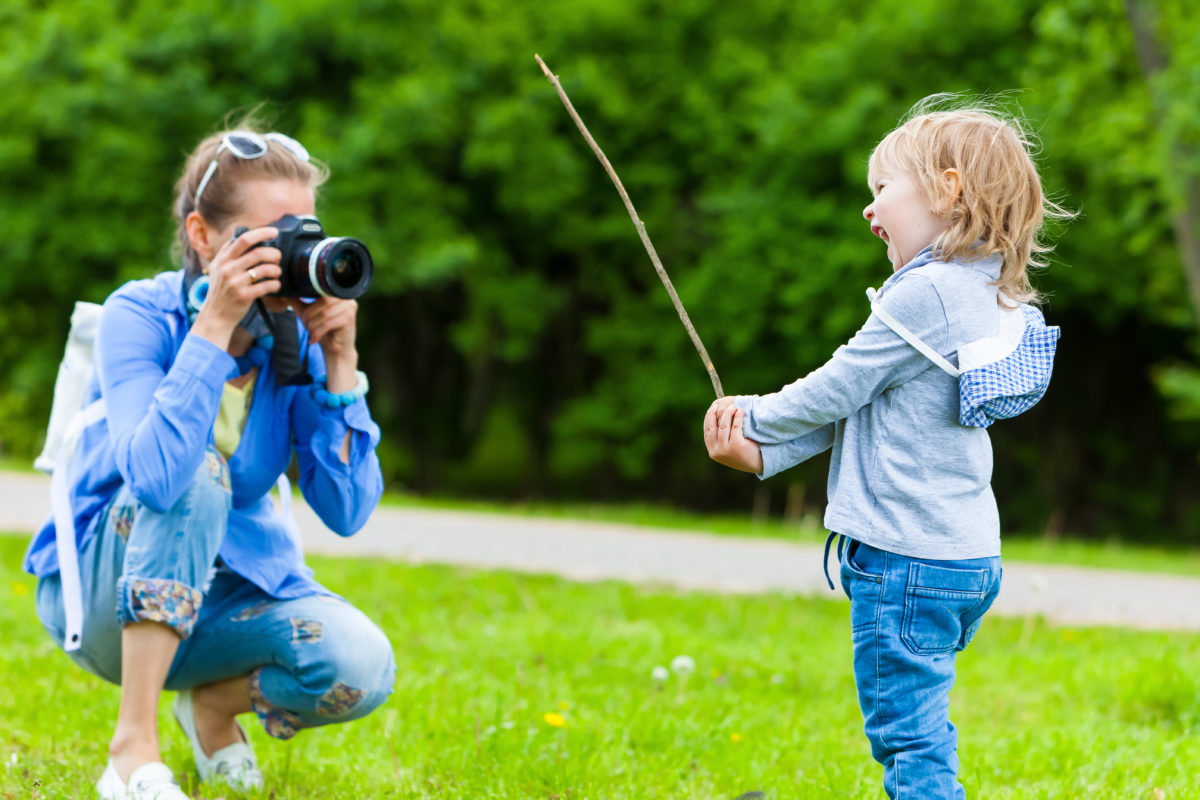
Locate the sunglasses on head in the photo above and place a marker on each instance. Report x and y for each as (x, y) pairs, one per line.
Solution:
(248, 145)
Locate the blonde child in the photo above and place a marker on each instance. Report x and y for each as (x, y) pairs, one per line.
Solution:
(958, 203)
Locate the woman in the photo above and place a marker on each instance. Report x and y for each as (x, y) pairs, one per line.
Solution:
(191, 581)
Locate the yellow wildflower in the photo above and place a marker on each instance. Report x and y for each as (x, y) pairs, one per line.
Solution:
(20, 589)
(735, 737)
(554, 720)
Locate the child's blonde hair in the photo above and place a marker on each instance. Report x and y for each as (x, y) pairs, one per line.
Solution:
(1000, 204)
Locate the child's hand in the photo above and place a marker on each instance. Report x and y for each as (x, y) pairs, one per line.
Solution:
(724, 440)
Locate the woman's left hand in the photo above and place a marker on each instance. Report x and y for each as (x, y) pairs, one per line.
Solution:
(330, 323)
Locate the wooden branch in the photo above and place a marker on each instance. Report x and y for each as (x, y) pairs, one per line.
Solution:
(641, 228)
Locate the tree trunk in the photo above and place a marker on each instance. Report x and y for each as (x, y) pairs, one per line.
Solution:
(1185, 209)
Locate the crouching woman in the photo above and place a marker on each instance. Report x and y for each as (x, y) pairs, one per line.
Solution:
(190, 579)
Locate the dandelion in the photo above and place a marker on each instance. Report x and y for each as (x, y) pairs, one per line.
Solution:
(554, 720)
(735, 737)
(683, 665)
(659, 674)
(20, 589)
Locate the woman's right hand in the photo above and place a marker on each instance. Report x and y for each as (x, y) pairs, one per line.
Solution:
(238, 275)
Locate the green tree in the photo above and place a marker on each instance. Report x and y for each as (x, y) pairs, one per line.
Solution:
(517, 338)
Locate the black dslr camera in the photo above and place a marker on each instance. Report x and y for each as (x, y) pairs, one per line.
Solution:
(316, 265)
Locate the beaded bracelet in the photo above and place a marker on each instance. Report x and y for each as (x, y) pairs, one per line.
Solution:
(329, 399)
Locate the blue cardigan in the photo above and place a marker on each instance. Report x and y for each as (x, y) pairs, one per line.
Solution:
(905, 475)
(162, 388)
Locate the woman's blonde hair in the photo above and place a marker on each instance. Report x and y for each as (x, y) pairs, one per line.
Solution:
(1000, 206)
(221, 200)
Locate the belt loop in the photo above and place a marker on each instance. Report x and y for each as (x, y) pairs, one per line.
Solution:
(825, 558)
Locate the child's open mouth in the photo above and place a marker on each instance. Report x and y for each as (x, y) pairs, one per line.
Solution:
(881, 233)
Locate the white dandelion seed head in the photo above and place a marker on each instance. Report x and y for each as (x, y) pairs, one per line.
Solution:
(660, 674)
(683, 665)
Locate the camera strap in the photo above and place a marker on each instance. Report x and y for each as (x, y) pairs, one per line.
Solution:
(291, 366)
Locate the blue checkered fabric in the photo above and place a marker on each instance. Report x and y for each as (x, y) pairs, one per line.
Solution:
(1014, 384)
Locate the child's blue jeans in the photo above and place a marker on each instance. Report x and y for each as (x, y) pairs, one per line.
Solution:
(311, 661)
(909, 617)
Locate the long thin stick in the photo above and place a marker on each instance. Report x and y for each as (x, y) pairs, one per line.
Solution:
(641, 228)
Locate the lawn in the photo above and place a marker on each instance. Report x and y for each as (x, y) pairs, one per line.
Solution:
(486, 661)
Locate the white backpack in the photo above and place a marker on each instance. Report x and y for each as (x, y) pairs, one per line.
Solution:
(68, 418)
(70, 388)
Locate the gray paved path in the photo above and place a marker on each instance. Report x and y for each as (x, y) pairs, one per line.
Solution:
(600, 551)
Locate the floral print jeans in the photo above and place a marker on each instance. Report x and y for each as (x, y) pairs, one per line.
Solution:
(310, 661)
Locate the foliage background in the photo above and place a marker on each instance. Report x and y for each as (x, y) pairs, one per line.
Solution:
(518, 342)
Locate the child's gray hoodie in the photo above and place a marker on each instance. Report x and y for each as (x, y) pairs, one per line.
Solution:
(905, 475)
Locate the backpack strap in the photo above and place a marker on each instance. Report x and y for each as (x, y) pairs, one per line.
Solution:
(64, 524)
(910, 337)
(284, 487)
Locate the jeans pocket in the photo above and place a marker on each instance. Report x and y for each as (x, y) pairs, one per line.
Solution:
(850, 571)
(938, 602)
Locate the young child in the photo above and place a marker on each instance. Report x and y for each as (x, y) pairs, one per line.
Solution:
(958, 204)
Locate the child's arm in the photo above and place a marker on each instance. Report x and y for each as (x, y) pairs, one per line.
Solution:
(727, 445)
(874, 360)
(785, 455)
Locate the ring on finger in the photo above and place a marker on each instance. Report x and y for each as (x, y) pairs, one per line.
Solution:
(253, 275)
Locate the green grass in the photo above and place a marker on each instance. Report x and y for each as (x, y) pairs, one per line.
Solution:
(10, 463)
(482, 657)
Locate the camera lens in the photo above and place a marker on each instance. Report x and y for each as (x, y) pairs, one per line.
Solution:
(345, 269)
(339, 267)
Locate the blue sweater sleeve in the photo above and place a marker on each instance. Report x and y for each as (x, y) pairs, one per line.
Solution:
(874, 360)
(160, 412)
(778, 457)
(343, 495)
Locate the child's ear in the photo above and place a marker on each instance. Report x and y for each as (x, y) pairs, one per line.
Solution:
(951, 191)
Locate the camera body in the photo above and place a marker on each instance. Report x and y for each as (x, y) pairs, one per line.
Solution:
(316, 265)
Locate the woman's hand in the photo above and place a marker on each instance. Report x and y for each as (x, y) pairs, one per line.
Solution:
(724, 440)
(331, 323)
(238, 275)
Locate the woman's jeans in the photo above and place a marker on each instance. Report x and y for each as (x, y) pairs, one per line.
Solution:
(909, 617)
(311, 661)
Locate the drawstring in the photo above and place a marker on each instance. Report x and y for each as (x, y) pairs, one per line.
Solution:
(841, 546)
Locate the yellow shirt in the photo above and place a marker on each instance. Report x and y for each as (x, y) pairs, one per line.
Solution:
(231, 416)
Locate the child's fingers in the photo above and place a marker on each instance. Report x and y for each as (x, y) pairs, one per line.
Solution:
(725, 425)
(710, 428)
(735, 427)
(722, 403)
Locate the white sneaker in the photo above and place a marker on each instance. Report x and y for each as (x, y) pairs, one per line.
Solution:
(234, 764)
(153, 781)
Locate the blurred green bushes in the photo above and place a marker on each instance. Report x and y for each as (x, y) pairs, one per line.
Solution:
(517, 338)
